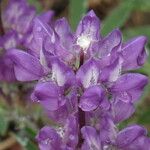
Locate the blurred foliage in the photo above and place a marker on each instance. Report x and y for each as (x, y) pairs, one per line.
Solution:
(143, 5)
(3, 122)
(118, 16)
(26, 138)
(77, 10)
(36, 4)
(142, 30)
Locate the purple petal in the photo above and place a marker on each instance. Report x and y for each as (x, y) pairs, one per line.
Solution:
(60, 115)
(122, 110)
(129, 134)
(113, 40)
(141, 143)
(31, 39)
(46, 16)
(41, 32)
(62, 28)
(111, 72)
(48, 139)
(129, 86)
(88, 74)
(18, 15)
(90, 26)
(6, 69)
(71, 135)
(133, 53)
(107, 129)
(91, 98)
(91, 138)
(10, 40)
(65, 43)
(27, 67)
(41, 29)
(87, 33)
(61, 73)
(25, 20)
(70, 107)
(49, 95)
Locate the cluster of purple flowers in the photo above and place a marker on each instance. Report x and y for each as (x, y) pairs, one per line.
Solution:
(17, 20)
(84, 81)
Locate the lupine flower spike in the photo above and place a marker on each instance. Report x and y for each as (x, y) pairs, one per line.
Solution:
(84, 84)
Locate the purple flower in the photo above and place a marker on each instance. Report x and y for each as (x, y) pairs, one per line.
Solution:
(86, 79)
(48, 139)
(87, 33)
(133, 138)
(133, 53)
(129, 87)
(58, 91)
(31, 65)
(92, 139)
(88, 74)
(6, 69)
(83, 84)
(18, 33)
(60, 41)
(91, 98)
(26, 66)
(130, 138)
(119, 110)
(64, 137)
(18, 16)
(7, 41)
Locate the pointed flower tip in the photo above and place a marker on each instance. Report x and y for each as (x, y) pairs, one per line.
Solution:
(117, 30)
(50, 12)
(62, 22)
(142, 37)
(62, 19)
(91, 13)
(139, 39)
(117, 33)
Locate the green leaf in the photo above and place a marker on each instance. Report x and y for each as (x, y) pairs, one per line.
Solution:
(3, 124)
(145, 69)
(118, 16)
(22, 140)
(31, 133)
(77, 10)
(31, 146)
(25, 140)
(143, 5)
(136, 31)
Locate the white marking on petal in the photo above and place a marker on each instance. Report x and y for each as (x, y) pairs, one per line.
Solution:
(91, 77)
(10, 43)
(57, 75)
(42, 59)
(61, 131)
(84, 42)
(93, 143)
(46, 141)
(116, 72)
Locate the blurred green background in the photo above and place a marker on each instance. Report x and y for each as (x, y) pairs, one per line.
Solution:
(20, 119)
